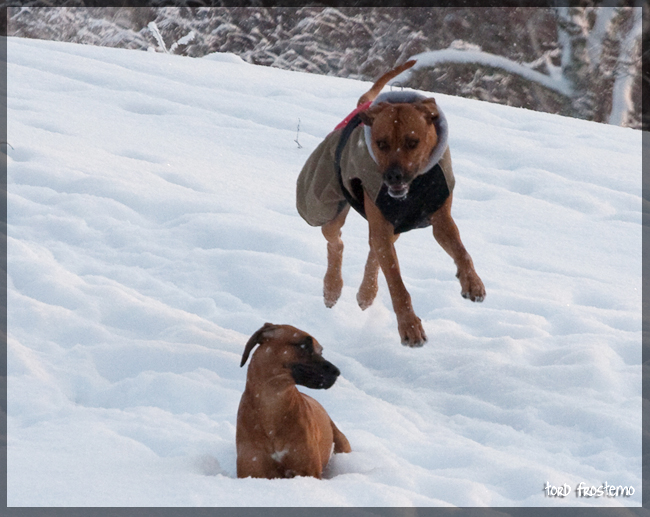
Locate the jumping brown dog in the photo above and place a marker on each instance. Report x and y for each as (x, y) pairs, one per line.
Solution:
(281, 432)
(390, 161)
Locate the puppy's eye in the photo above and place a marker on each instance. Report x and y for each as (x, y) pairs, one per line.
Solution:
(382, 145)
(306, 345)
(411, 144)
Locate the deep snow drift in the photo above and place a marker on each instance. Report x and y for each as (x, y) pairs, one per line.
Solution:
(152, 230)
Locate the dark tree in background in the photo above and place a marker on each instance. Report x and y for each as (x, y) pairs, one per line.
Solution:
(578, 61)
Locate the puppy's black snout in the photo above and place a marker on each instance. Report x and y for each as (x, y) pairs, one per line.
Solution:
(318, 374)
(330, 369)
(329, 374)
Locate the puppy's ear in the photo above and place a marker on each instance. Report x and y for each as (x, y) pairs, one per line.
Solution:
(368, 116)
(429, 108)
(258, 337)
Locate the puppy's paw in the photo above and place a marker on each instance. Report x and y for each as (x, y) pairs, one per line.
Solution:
(411, 331)
(472, 287)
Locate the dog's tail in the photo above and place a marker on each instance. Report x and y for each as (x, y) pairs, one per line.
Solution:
(371, 94)
(341, 443)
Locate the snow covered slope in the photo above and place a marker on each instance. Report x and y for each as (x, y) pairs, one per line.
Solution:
(152, 230)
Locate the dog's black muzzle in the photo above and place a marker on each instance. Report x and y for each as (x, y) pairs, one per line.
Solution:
(317, 374)
(396, 181)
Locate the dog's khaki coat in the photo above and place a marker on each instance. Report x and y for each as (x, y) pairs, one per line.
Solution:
(318, 194)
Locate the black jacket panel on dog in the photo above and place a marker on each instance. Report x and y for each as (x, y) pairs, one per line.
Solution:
(427, 193)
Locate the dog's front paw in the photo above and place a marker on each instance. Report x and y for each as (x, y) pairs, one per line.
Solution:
(411, 331)
(472, 287)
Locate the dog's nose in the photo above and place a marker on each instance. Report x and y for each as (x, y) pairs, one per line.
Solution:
(394, 175)
(330, 369)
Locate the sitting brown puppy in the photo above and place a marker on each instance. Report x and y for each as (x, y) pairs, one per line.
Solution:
(281, 432)
(390, 161)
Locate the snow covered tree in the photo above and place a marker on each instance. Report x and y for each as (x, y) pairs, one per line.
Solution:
(601, 48)
(578, 61)
(592, 71)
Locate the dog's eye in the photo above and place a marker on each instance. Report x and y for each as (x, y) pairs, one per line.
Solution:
(382, 145)
(411, 144)
(306, 345)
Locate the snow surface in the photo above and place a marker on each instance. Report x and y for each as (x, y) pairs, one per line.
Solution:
(152, 230)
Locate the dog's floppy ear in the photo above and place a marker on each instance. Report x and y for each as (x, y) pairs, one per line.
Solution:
(429, 108)
(258, 337)
(368, 116)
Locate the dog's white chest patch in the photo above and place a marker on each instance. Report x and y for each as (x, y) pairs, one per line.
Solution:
(278, 455)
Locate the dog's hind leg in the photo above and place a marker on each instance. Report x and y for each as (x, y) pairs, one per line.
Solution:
(333, 281)
(368, 288)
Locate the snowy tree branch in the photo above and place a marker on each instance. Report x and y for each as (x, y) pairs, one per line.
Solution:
(450, 55)
(156, 34)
